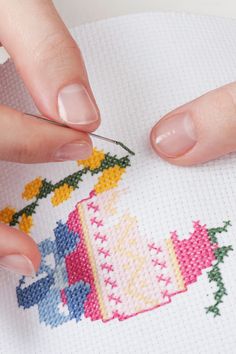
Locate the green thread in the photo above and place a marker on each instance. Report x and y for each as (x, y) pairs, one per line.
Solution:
(125, 147)
(72, 180)
(214, 275)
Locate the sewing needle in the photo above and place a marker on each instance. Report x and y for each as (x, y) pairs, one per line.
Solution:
(91, 134)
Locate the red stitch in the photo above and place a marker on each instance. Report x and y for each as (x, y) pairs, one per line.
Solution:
(111, 282)
(103, 238)
(104, 252)
(161, 264)
(153, 247)
(95, 221)
(108, 267)
(116, 299)
(91, 205)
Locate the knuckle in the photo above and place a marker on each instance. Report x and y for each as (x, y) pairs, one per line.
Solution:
(220, 104)
(227, 107)
(23, 153)
(54, 49)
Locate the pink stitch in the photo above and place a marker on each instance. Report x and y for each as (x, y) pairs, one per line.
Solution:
(104, 252)
(165, 294)
(174, 235)
(91, 205)
(162, 278)
(111, 282)
(108, 267)
(161, 264)
(116, 299)
(195, 253)
(152, 246)
(97, 236)
(115, 314)
(95, 221)
(196, 224)
(78, 266)
(63, 297)
(168, 281)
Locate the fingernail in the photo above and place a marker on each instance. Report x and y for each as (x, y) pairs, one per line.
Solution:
(75, 105)
(74, 151)
(18, 264)
(174, 136)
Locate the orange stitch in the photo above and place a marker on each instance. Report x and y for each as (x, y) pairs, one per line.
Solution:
(61, 194)
(6, 215)
(26, 223)
(109, 179)
(32, 188)
(94, 161)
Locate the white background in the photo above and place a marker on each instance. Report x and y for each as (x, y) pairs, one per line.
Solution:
(75, 12)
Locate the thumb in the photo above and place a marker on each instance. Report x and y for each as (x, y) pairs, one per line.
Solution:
(18, 252)
(49, 61)
(199, 131)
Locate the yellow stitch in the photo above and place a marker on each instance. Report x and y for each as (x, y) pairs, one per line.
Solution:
(32, 188)
(126, 266)
(92, 262)
(26, 223)
(109, 179)
(109, 206)
(61, 194)
(175, 264)
(6, 215)
(139, 260)
(132, 291)
(94, 161)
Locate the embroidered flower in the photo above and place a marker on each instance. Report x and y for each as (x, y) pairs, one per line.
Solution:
(26, 223)
(61, 194)
(32, 188)
(6, 215)
(109, 179)
(94, 161)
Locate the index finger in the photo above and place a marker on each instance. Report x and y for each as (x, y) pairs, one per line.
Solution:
(49, 61)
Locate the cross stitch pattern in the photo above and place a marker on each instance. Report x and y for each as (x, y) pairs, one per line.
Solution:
(140, 68)
(104, 268)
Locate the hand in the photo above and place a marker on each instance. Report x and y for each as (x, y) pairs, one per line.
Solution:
(199, 131)
(52, 68)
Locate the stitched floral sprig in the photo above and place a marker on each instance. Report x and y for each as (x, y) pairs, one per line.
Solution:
(214, 275)
(39, 188)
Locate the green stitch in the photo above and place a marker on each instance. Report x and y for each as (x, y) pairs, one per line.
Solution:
(28, 210)
(214, 275)
(72, 180)
(45, 189)
(111, 161)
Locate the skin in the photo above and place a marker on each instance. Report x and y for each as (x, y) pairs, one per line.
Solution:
(48, 59)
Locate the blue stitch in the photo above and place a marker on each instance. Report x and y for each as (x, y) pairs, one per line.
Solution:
(49, 309)
(46, 292)
(34, 293)
(66, 240)
(76, 296)
(60, 275)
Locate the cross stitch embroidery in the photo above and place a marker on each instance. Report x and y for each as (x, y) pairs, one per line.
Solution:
(104, 268)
